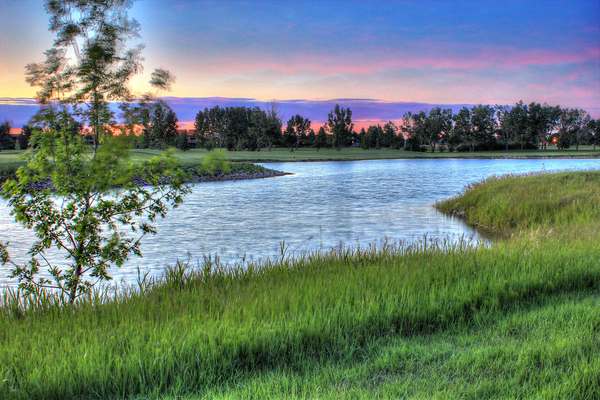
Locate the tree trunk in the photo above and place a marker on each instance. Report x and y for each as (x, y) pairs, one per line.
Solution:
(73, 291)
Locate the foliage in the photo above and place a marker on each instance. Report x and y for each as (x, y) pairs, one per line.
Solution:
(215, 162)
(95, 207)
(237, 128)
(339, 124)
(89, 203)
(297, 131)
(6, 141)
(161, 129)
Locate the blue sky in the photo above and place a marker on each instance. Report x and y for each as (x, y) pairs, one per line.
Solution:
(417, 51)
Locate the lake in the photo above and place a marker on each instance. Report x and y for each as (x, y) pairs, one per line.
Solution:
(320, 206)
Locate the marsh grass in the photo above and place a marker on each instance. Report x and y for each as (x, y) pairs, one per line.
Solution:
(517, 319)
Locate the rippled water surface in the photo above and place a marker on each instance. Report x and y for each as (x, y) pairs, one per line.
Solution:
(321, 205)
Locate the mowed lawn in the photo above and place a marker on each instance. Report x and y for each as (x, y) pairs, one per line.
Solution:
(9, 159)
(518, 319)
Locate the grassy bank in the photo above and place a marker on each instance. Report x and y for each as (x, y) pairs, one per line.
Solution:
(10, 158)
(518, 319)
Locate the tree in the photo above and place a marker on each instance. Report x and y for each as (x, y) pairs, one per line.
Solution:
(297, 128)
(541, 119)
(273, 127)
(106, 204)
(182, 142)
(438, 125)
(594, 127)
(321, 140)
(572, 127)
(311, 139)
(505, 131)
(483, 123)
(161, 130)
(7, 142)
(25, 136)
(339, 124)
(408, 131)
(374, 136)
(390, 133)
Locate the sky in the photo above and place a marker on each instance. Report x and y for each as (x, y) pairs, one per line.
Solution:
(442, 52)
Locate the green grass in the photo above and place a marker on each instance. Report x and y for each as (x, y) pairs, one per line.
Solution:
(519, 319)
(194, 156)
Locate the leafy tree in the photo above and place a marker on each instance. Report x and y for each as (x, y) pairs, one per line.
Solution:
(93, 204)
(594, 126)
(374, 136)
(505, 130)
(98, 32)
(210, 127)
(161, 130)
(572, 127)
(311, 139)
(273, 127)
(339, 124)
(182, 142)
(362, 139)
(408, 132)
(7, 142)
(321, 140)
(438, 125)
(483, 122)
(24, 137)
(297, 128)
(541, 120)
(390, 132)
(568, 126)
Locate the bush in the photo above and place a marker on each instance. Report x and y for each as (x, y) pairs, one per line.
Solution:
(215, 162)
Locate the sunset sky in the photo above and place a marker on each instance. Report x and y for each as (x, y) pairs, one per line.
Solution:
(417, 51)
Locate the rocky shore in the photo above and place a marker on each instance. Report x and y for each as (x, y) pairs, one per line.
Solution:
(238, 171)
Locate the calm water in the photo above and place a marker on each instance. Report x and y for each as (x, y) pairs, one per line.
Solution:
(321, 205)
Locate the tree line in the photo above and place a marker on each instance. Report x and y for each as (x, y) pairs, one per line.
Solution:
(481, 127)
(478, 128)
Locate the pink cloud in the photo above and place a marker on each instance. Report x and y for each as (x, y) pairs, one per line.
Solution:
(503, 58)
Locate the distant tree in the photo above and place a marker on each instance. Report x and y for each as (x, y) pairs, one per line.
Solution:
(210, 127)
(541, 120)
(572, 127)
(25, 136)
(505, 132)
(182, 142)
(594, 126)
(483, 122)
(297, 128)
(7, 142)
(437, 125)
(311, 139)
(390, 132)
(408, 132)
(463, 128)
(273, 127)
(321, 140)
(374, 136)
(362, 139)
(340, 126)
(161, 130)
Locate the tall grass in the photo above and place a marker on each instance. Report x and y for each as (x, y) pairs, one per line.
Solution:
(291, 326)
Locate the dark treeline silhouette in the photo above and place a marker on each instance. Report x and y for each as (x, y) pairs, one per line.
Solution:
(153, 124)
(481, 127)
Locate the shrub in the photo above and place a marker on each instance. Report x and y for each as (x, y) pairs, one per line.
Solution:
(215, 162)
